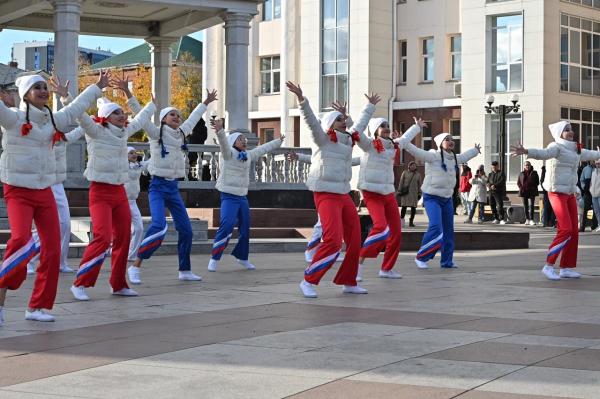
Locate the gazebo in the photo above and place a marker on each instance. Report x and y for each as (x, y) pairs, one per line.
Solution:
(159, 22)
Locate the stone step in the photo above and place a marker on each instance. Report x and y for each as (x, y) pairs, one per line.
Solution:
(265, 232)
(262, 217)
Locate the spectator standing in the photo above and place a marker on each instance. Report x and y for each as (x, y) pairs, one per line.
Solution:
(528, 189)
(497, 190)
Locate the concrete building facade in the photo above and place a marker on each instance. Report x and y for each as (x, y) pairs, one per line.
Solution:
(39, 55)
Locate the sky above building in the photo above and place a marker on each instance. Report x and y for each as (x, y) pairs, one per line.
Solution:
(115, 44)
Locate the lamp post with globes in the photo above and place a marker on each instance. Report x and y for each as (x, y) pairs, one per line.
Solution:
(502, 111)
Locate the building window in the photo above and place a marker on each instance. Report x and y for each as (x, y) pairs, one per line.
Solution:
(455, 57)
(507, 53)
(426, 138)
(271, 10)
(514, 135)
(454, 130)
(334, 52)
(579, 55)
(269, 75)
(266, 135)
(427, 53)
(403, 62)
(586, 3)
(586, 125)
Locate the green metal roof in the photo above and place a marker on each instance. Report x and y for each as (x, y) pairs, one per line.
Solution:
(141, 54)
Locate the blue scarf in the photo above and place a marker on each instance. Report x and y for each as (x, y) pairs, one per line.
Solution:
(242, 156)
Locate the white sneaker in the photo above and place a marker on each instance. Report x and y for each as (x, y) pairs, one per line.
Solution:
(308, 289)
(531, 223)
(246, 264)
(79, 293)
(359, 273)
(401, 222)
(354, 289)
(30, 269)
(212, 265)
(569, 273)
(187, 275)
(133, 273)
(550, 273)
(125, 292)
(1, 315)
(502, 222)
(527, 222)
(495, 221)
(468, 221)
(340, 258)
(66, 269)
(421, 265)
(38, 315)
(308, 256)
(389, 274)
(597, 230)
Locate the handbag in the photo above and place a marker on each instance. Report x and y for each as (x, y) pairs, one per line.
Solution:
(406, 189)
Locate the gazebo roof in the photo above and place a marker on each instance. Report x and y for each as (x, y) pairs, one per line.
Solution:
(135, 18)
(141, 54)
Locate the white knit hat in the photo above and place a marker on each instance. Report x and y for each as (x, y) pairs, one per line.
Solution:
(440, 138)
(374, 124)
(106, 107)
(328, 118)
(232, 137)
(557, 128)
(129, 149)
(165, 111)
(24, 83)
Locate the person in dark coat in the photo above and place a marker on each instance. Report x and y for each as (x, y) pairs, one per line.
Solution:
(497, 190)
(547, 219)
(198, 136)
(528, 189)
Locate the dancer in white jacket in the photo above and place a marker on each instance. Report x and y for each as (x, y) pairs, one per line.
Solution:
(132, 189)
(441, 179)
(565, 155)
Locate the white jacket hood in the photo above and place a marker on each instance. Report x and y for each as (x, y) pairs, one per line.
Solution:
(440, 138)
(374, 124)
(556, 130)
(327, 120)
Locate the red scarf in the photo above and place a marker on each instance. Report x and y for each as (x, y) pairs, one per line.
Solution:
(100, 119)
(26, 128)
(332, 135)
(355, 138)
(579, 148)
(58, 136)
(378, 145)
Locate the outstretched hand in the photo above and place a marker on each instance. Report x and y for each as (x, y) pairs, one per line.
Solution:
(282, 137)
(373, 98)
(419, 122)
(478, 147)
(57, 87)
(103, 79)
(340, 107)
(210, 96)
(217, 124)
(518, 149)
(396, 134)
(296, 89)
(122, 84)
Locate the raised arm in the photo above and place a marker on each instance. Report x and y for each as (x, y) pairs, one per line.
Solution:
(411, 133)
(217, 125)
(549, 152)
(261, 150)
(197, 113)
(317, 133)
(363, 120)
(86, 99)
(466, 156)
(427, 156)
(365, 142)
(142, 119)
(90, 128)
(75, 134)
(134, 105)
(589, 155)
(8, 116)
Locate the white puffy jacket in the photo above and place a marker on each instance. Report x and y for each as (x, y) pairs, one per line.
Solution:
(172, 166)
(132, 185)
(29, 161)
(60, 148)
(234, 175)
(478, 190)
(437, 181)
(107, 147)
(331, 167)
(377, 168)
(595, 184)
(564, 161)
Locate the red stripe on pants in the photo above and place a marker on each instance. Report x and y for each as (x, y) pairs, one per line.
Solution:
(339, 220)
(565, 209)
(25, 205)
(383, 210)
(111, 222)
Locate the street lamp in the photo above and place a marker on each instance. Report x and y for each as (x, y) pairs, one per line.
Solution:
(502, 111)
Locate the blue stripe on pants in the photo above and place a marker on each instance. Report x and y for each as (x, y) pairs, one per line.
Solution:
(235, 210)
(165, 193)
(440, 212)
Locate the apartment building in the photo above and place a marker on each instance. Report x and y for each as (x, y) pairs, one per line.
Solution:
(434, 59)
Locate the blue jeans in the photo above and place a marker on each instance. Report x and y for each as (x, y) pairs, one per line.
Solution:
(596, 206)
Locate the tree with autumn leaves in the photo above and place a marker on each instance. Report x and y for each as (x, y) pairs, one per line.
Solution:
(186, 85)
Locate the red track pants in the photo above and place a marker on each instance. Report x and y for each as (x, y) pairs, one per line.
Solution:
(25, 205)
(339, 220)
(567, 235)
(386, 232)
(111, 222)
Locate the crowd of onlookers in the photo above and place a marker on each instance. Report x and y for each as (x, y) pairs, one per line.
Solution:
(476, 189)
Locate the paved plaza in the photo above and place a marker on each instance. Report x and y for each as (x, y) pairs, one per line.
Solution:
(492, 329)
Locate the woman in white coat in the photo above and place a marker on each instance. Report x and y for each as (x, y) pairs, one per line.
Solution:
(477, 194)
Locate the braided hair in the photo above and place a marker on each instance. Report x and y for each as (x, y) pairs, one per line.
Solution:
(163, 149)
(26, 127)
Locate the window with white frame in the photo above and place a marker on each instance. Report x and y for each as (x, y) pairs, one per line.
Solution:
(579, 55)
(271, 10)
(454, 130)
(427, 54)
(403, 62)
(507, 53)
(514, 135)
(455, 57)
(334, 52)
(269, 75)
(585, 124)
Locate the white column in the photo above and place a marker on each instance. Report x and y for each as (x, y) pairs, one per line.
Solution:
(237, 32)
(67, 14)
(160, 60)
